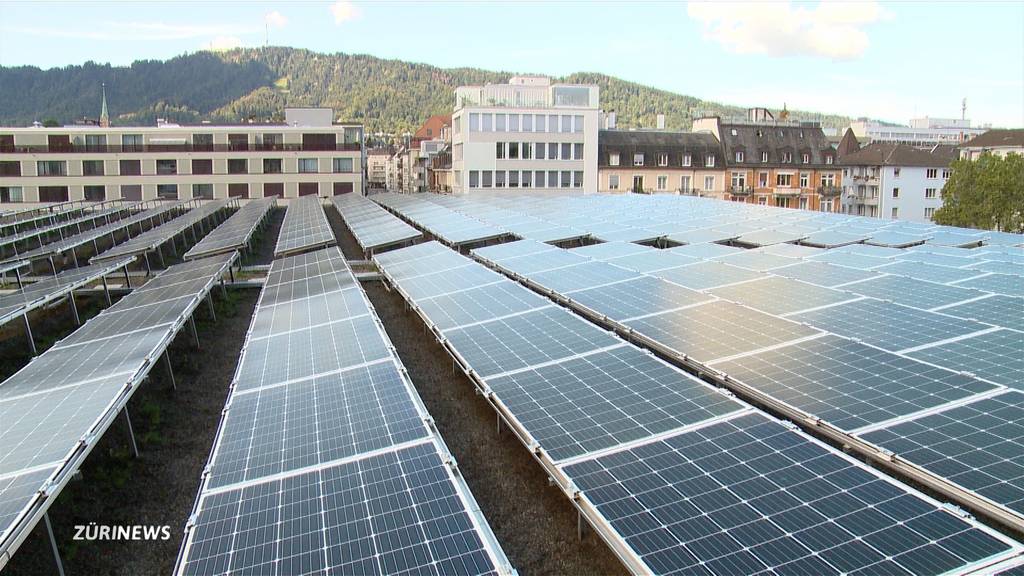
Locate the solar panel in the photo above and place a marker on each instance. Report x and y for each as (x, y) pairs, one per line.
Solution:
(929, 272)
(701, 236)
(887, 325)
(769, 237)
(583, 404)
(792, 250)
(500, 252)
(997, 356)
(832, 238)
(609, 250)
(749, 495)
(305, 312)
(848, 384)
(480, 304)
(541, 261)
(305, 227)
(870, 250)
(707, 274)
(998, 267)
(998, 310)
(16, 496)
(1007, 284)
(912, 292)
(921, 255)
(757, 260)
(705, 250)
(157, 236)
(37, 294)
(778, 295)
(895, 239)
(235, 232)
(823, 274)
(372, 226)
(851, 259)
(581, 276)
(975, 445)
(717, 330)
(446, 282)
(638, 297)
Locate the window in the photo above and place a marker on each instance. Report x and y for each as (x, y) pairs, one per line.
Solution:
(540, 150)
(306, 166)
(166, 167)
(95, 193)
(167, 191)
(803, 203)
(784, 180)
(53, 193)
(238, 190)
(929, 213)
(202, 142)
(13, 168)
(806, 158)
(739, 156)
(527, 122)
(341, 165)
(540, 123)
(513, 150)
(929, 192)
(499, 150)
(762, 179)
(895, 172)
(272, 166)
(204, 191)
(828, 180)
(825, 206)
(613, 159)
(487, 121)
(552, 151)
(709, 183)
(273, 189)
(474, 122)
(457, 125)
(96, 142)
(662, 182)
(687, 160)
(499, 122)
(577, 179)
(527, 149)
(709, 161)
(131, 142)
(513, 179)
(552, 179)
(895, 213)
(474, 178)
(895, 192)
(684, 183)
(202, 166)
(341, 188)
(578, 123)
(787, 157)
(513, 122)
(946, 174)
(553, 123)
(566, 150)
(487, 180)
(829, 159)
(89, 168)
(764, 157)
(739, 180)
(638, 159)
(309, 189)
(11, 194)
(131, 191)
(662, 159)
(805, 180)
(577, 151)
(241, 141)
(782, 202)
(566, 179)
(499, 179)
(538, 178)
(613, 181)
(526, 176)
(240, 165)
(51, 168)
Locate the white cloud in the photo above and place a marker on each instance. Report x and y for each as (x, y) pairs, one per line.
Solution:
(344, 11)
(276, 20)
(830, 29)
(222, 43)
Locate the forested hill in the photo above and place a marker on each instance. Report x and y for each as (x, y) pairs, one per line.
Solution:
(257, 83)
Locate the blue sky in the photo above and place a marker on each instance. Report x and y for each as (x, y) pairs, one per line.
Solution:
(889, 60)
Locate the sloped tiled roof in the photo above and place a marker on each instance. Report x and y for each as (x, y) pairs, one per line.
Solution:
(997, 139)
(892, 154)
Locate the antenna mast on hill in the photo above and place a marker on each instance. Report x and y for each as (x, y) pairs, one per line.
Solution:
(963, 109)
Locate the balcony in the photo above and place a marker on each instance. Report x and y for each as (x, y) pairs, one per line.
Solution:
(176, 148)
(788, 192)
(741, 190)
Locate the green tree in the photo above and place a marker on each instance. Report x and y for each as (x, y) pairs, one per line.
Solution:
(986, 193)
(51, 123)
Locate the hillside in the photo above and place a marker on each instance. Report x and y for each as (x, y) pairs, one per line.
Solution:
(387, 95)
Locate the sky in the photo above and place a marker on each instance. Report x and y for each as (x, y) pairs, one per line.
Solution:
(887, 60)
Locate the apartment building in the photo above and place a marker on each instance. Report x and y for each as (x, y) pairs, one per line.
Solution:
(998, 142)
(307, 154)
(528, 134)
(920, 132)
(377, 168)
(895, 181)
(777, 163)
(660, 161)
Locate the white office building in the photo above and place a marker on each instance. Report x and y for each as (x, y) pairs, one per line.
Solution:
(920, 133)
(528, 134)
(895, 181)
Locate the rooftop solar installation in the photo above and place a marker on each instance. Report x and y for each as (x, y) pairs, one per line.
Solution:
(154, 238)
(40, 293)
(913, 292)
(480, 304)
(757, 260)
(702, 236)
(955, 239)
(1006, 284)
(705, 250)
(417, 288)
(500, 252)
(44, 234)
(920, 255)
(305, 227)
(641, 296)
(235, 232)
(997, 356)
(451, 226)
(542, 261)
(707, 274)
(997, 309)
(792, 250)
(871, 250)
(850, 260)
(931, 272)
(889, 325)
(372, 226)
(651, 262)
(832, 239)
(325, 460)
(609, 250)
(779, 295)
(581, 276)
(822, 274)
(998, 267)
(891, 239)
(769, 237)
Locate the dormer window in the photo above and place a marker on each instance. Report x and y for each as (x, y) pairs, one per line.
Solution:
(739, 156)
(613, 159)
(733, 132)
(687, 160)
(760, 133)
(787, 157)
(828, 159)
(638, 159)
(662, 159)
(709, 161)
(806, 158)
(764, 157)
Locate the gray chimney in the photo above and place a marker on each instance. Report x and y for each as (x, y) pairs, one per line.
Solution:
(661, 122)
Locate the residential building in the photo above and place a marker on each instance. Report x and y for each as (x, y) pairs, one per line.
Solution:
(895, 181)
(377, 168)
(434, 128)
(306, 154)
(777, 163)
(998, 142)
(439, 173)
(921, 132)
(660, 161)
(528, 134)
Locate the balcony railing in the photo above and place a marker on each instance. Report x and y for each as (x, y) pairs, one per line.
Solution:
(741, 190)
(174, 148)
(830, 191)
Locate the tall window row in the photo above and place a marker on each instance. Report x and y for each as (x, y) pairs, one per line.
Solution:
(170, 167)
(538, 151)
(525, 178)
(501, 122)
(168, 191)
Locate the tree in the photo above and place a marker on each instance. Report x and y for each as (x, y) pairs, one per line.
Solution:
(986, 193)
(51, 123)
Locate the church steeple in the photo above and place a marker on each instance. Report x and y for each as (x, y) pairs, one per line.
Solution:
(104, 118)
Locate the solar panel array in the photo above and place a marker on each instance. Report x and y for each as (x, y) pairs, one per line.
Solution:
(156, 237)
(44, 234)
(11, 223)
(451, 227)
(40, 293)
(235, 232)
(305, 227)
(326, 461)
(372, 226)
(675, 474)
(53, 411)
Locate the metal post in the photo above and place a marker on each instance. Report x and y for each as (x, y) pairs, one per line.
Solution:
(127, 278)
(53, 544)
(52, 265)
(74, 256)
(28, 332)
(149, 270)
(579, 525)
(131, 432)
(106, 290)
(231, 272)
(74, 308)
(170, 371)
(209, 303)
(195, 333)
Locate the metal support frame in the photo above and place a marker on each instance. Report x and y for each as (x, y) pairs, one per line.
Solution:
(127, 277)
(106, 290)
(74, 308)
(131, 431)
(28, 332)
(53, 544)
(195, 333)
(170, 371)
(209, 303)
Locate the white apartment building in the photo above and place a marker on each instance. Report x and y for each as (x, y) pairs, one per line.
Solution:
(895, 181)
(997, 142)
(921, 133)
(528, 134)
(307, 154)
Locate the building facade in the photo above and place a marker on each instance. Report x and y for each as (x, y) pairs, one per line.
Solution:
(527, 134)
(998, 142)
(307, 154)
(660, 162)
(895, 181)
(776, 163)
(920, 133)
(377, 168)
